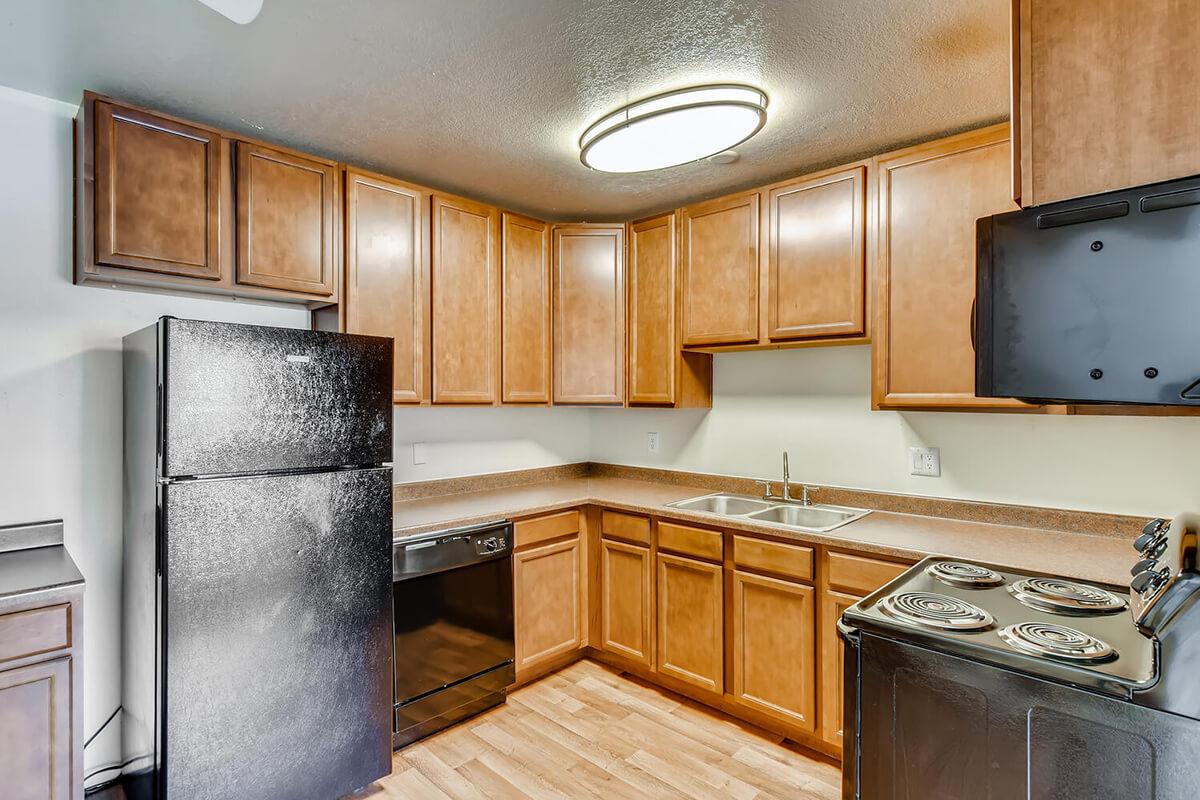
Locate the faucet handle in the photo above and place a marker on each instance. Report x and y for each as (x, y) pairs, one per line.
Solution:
(766, 489)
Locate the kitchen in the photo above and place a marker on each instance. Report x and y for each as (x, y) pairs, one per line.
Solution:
(578, 348)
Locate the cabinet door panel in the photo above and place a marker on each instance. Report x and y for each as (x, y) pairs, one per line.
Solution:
(774, 640)
(929, 199)
(466, 292)
(286, 208)
(832, 658)
(387, 280)
(816, 257)
(719, 252)
(546, 602)
(690, 622)
(525, 310)
(589, 314)
(157, 194)
(35, 732)
(627, 620)
(653, 349)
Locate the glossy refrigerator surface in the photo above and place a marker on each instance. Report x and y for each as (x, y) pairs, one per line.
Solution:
(248, 399)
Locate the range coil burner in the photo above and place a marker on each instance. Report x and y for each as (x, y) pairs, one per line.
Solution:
(1056, 641)
(1059, 596)
(939, 611)
(960, 573)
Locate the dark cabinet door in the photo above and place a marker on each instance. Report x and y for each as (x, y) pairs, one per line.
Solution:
(286, 217)
(157, 194)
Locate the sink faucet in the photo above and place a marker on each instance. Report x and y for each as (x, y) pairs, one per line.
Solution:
(787, 488)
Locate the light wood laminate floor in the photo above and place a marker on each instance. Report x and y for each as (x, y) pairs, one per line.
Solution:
(588, 732)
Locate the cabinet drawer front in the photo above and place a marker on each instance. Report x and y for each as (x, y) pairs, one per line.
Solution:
(38, 630)
(541, 529)
(859, 574)
(625, 526)
(775, 557)
(690, 541)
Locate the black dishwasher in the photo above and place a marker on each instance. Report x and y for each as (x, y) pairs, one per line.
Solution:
(453, 616)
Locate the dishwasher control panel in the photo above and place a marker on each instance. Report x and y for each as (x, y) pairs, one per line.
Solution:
(443, 550)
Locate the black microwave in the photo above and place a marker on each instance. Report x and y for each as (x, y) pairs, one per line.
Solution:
(1093, 300)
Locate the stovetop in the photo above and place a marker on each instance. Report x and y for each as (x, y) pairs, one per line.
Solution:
(1069, 631)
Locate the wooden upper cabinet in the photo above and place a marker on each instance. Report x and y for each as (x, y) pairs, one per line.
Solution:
(929, 199)
(816, 256)
(525, 310)
(690, 622)
(157, 194)
(387, 274)
(719, 254)
(1104, 95)
(287, 208)
(465, 267)
(660, 373)
(774, 640)
(589, 313)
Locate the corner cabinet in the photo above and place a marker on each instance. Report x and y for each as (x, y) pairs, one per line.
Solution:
(589, 314)
(719, 252)
(465, 278)
(929, 197)
(660, 373)
(525, 285)
(387, 274)
(165, 203)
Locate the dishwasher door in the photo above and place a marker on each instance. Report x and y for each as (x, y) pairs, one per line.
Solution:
(453, 610)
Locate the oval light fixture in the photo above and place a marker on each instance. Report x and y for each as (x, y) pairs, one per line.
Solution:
(674, 128)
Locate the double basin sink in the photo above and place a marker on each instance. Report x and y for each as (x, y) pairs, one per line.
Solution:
(792, 515)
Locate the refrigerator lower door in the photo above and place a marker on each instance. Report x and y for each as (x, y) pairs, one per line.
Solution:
(277, 656)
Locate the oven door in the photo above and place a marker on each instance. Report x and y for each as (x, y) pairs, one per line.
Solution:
(453, 609)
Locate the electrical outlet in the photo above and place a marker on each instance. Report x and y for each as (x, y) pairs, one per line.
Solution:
(925, 461)
(418, 453)
(652, 441)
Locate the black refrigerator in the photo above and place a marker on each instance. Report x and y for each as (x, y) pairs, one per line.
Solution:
(257, 591)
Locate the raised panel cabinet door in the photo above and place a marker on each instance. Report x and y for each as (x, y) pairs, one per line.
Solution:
(1083, 130)
(387, 274)
(546, 597)
(690, 622)
(653, 345)
(589, 314)
(833, 605)
(627, 616)
(816, 257)
(286, 221)
(465, 267)
(525, 310)
(157, 201)
(774, 648)
(719, 253)
(35, 732)
(929, 199)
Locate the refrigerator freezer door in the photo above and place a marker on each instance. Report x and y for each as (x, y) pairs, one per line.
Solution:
(277, 635)
(241, 399)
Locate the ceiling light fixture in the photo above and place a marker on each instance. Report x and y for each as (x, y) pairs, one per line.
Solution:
(674, 128)
(242, 12)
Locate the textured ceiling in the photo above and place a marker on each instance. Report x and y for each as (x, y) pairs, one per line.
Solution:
(488, 97)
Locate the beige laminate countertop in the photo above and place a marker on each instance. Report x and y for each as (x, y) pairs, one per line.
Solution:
(1089, 557)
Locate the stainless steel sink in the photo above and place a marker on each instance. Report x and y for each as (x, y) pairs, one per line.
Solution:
(810, 518)
(729, 505)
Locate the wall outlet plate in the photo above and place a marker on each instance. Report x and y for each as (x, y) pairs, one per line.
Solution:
(652, 441)
(925, 461)
(418, 453)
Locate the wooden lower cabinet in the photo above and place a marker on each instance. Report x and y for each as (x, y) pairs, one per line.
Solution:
(774, 656)
(690, 642)
(832, 657)
(626, 600)
(547, 603)
(35, 731)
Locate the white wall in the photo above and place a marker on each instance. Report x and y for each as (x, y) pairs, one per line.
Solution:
(60, 382)
(475, 441)
(815, 404)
